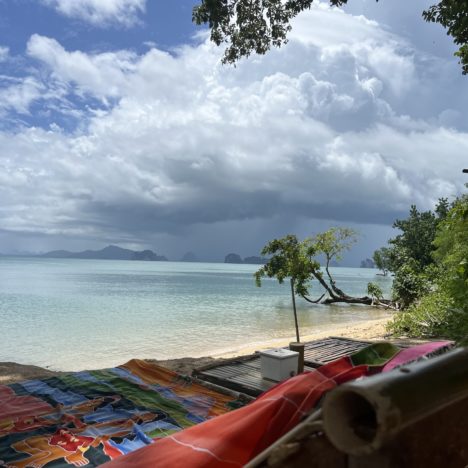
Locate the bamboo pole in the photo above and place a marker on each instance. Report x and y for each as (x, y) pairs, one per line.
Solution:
(362, 416)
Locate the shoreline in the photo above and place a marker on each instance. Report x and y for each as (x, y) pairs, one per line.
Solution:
(370, 330)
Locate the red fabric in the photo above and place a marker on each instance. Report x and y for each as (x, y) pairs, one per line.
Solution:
(236, 437)
(14, 406)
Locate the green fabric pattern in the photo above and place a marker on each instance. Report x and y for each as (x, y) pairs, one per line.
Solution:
(377, 354)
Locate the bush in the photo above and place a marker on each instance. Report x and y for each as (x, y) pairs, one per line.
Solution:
(410, 284)
(435, 315)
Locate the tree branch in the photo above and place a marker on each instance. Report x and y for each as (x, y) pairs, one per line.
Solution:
(335, 288)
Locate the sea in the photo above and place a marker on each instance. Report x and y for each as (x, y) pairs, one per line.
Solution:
(71, 314)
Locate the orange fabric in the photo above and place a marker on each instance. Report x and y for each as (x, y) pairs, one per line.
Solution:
(235, 438)
(158, 375)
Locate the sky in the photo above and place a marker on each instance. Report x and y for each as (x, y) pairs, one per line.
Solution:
(119, 125)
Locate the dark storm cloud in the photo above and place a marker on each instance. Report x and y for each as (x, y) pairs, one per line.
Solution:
(321, 129)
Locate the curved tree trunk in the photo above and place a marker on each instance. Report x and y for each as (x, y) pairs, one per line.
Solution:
(335, 288)
(336, 295)
(318, 276)
(366, 300)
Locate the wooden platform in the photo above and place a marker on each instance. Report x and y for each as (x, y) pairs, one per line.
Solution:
(243, 374)
(319, 352)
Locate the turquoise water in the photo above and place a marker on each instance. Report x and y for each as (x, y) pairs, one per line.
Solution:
(75, 314)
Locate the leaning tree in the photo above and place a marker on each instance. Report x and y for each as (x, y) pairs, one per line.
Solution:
(299, 262)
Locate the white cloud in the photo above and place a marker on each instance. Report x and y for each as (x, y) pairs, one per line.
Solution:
(20, 95)
(101, 75)
(101, 12)
(309, 130)
(4, 52)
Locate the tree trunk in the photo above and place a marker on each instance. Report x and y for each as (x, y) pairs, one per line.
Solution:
(335, 288)
(366, 300)
(336, 295)
(295, 311)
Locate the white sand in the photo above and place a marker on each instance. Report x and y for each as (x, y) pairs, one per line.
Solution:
(371, 330)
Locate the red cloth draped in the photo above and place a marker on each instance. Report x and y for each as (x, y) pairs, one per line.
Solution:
(236, 437)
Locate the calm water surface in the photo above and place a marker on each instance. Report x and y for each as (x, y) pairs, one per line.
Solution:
(74, 314)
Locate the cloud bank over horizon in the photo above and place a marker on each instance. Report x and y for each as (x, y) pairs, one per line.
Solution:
(347, 124)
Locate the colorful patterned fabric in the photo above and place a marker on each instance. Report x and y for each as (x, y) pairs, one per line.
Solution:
(88, 418)
(132, 415)
(235, 438)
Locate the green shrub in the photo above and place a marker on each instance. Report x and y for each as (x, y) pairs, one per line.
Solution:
(410, 284)
(435, 315)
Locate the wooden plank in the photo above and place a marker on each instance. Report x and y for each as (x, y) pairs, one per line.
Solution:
(243, 375)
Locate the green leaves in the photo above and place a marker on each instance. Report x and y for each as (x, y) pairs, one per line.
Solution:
(452, 15)
(437, 296)
(452, 252)
(248, 26)
(374, 291)
(417, 234)
(333, 243)
(410, 255)
(383, 259)
(290, 258)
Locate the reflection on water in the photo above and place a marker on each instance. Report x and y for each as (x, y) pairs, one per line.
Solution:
(72, 314)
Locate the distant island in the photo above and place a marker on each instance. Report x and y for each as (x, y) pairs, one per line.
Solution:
(189, 257)
(111, 252)
(236, 258)
(367, 263)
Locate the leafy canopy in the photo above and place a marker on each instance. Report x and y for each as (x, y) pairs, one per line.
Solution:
(452, 15)
(290, 259)
(440, 306)
(382, 259)
(417, 234)
(298, 260)
(247, 26)
(451, 253)
(333, 243)
(410, 254)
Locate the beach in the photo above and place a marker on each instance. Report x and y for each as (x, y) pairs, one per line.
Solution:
(78, 314)
(371, 330)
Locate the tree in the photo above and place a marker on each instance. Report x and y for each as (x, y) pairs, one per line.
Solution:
(291, 259)
(374, 291)
(451, 252)
(415, 241)
(452, 15)
(382, 260)
(298, 261)
(332, 244)
(247, 26)
(410, 254)
(442, 310)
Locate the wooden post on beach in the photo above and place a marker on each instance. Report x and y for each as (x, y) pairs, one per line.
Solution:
(299, 348)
